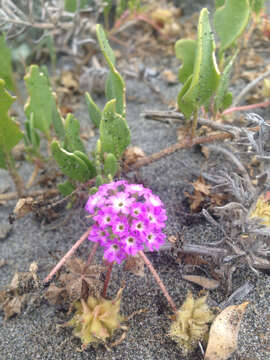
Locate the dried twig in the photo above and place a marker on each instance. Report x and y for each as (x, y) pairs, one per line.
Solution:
(33, 194)
(67, 256)
(178, 146)
(238, 99)
(238, 163)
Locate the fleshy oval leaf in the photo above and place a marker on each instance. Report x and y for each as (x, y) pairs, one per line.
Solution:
(93, 110)
(88, 162)
(72, 134)
(115, 85)
(66, 188)
(70, 164)
(114, 131)
(6, 67)
(110, 165)
(230, 21)
(185, 50)
(10, 133)
(41, 101)
(223, 98)
(206, 75)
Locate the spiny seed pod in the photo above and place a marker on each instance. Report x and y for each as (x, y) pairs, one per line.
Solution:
(191, 324)
(96, 319)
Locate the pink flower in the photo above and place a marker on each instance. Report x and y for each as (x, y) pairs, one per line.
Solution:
(128, 218)
(137, 209)
(120, 226)
(131, 244)
(114, 253)
(154, 240)
(121, 202)
(104, 219)
(93, 202)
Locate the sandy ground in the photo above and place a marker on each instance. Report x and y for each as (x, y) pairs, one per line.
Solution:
(34, 334)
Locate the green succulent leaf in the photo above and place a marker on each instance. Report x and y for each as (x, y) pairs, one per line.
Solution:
(256, 5)
(72, 5)
(32, 135)
(219, 3)
(230, 21)
(114, 131)
(115, 89)
(41, 101)
(93, 110)
(227, 101)
(93, 190)
(110, 165)
(10, 133)
(6, 67)
(185, 50)
(115, 85)
(58, 123)
(205, 76)
(66, 188)
(72, 134)
(186, 108)
(70, 164)
(99, 181)
(3, 164)
(105, 46)
(223, 98)
(91, 167)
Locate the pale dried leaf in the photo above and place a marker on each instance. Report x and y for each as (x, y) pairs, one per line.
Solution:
(201, 186)
(209, 284)
(13, 306)
(133, 154)
(23, 207)
(195, 200)
(206, 151)
(223, 337)
(135, 264)
(55, 295)
(169, 77)
(68, 80)
(72, 282)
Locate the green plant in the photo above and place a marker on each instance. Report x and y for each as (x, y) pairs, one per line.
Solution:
(131, 5)
(74, 5)
(10, 135)
(114, 131)
(204, 74)
(6, 68)
(63, 135)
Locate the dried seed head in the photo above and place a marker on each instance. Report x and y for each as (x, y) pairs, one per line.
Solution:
(191, 324)
(96, 319)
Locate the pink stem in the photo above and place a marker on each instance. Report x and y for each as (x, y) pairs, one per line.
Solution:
(158, 280)
(68, 254)
(246, 107)
(107, 279)
(91, 255)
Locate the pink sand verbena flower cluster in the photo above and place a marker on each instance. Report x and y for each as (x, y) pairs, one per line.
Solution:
(128, 218)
